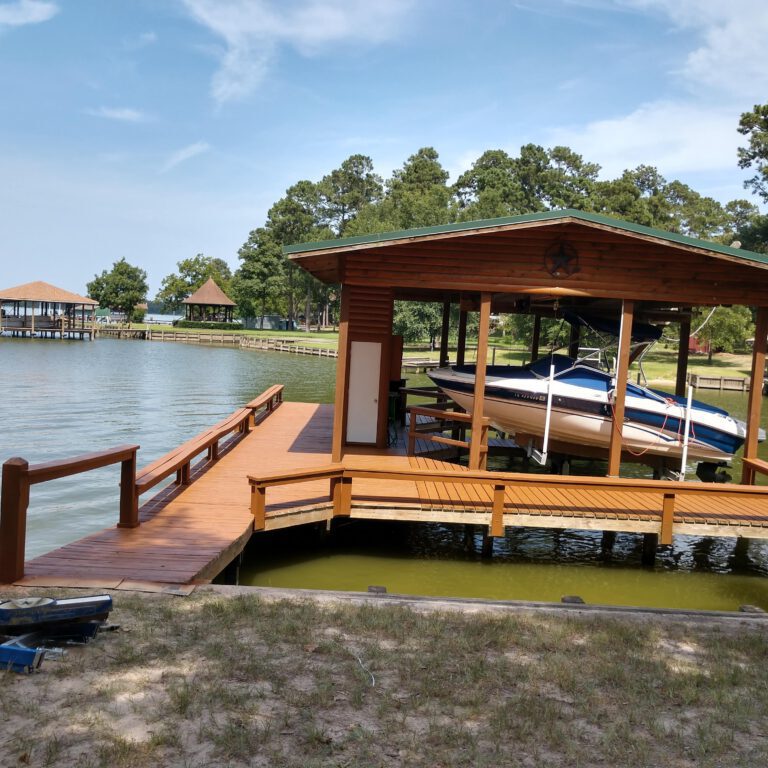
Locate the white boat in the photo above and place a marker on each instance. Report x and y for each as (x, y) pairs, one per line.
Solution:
(581, 411)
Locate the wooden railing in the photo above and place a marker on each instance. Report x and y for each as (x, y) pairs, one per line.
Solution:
(180, 460)
(751, 468)
(19, 475)
(441, 416)
(342, 477)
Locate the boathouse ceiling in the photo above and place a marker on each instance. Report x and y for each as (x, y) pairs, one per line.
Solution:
(558, 255)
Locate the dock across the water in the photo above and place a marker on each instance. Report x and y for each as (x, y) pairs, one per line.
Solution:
(722, 383)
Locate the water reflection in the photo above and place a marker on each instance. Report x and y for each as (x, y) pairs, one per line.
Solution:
(527, 564)
(62, 398)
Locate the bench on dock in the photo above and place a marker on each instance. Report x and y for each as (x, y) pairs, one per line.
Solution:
(180, 459)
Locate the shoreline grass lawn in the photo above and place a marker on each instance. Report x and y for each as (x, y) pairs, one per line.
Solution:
(240, 679)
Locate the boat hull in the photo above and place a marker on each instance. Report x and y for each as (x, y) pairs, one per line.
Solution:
(584, 417)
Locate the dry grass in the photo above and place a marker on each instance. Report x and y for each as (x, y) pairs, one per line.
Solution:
(213, 680)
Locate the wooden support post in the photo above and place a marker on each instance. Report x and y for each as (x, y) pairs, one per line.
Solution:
(13, 519)
(461, 344)
(475, 447)
(607, 541)
(535, 337)
(444, 331)
(412, 436)
(497, 516)
(342, 501)
(756, 379)
(342, 376)
(129, 499)
(487, 546)
(620, 390)
(650, 543)
(667, 518)
(682, 354)
(259, 507)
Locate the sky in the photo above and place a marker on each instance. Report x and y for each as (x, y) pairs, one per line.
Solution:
(153, 130)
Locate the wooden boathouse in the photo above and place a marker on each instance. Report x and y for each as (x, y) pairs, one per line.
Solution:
(44, 310)
(274, 464)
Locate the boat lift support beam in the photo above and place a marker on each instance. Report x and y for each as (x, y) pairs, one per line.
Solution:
(756, 379)
(620, 389)
(477, 456)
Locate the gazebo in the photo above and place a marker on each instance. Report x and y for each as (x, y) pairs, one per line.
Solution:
(39, 308)
(537, 264)
(209, 304)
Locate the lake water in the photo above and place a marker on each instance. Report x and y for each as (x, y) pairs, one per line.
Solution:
(61, 398)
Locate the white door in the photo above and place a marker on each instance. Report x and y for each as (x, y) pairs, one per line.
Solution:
(363, 402)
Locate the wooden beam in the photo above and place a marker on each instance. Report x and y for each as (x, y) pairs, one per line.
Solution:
(342, 379)
(461, 345)
(497, 515)
(535, 337)
(667, 518)
(13, 519)
(475, 448)
(756, 379)
(682, 354)
(445, 329)
(620, 389)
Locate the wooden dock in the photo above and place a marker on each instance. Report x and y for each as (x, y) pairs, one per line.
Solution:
(722, 383)
(189, 533)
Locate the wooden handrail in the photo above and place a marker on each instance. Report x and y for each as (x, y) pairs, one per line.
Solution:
(18, 476)
(53, 470)
(342, 477)
(268, 400)
(179, 460)
(752, 467)
(440, 415)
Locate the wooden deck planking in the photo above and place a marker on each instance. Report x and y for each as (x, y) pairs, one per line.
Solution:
(188, 532)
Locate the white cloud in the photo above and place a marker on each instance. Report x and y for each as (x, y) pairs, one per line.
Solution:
(729, 55)
(723, 72)
(676, 138)
(254, 30)
(121, 114)
(184, 154)
(142, 41)
(26, 12)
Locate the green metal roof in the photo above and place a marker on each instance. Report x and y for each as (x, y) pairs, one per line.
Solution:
(589, 218)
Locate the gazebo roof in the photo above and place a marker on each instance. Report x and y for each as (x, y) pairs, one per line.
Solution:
(41, 291)
(211, 295)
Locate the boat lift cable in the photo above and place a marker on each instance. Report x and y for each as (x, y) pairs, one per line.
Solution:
(706, 320)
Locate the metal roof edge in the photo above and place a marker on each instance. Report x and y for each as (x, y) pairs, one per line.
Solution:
(562, 214)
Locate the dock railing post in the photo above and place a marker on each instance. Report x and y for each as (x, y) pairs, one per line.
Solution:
(14, 501)
(129, 498)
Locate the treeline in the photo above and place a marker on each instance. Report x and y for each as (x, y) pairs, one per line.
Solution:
(354, 200)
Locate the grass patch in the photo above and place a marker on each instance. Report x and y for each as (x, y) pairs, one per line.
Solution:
(214, 680)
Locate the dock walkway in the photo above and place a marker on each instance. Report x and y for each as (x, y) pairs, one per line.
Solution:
(189, 533)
